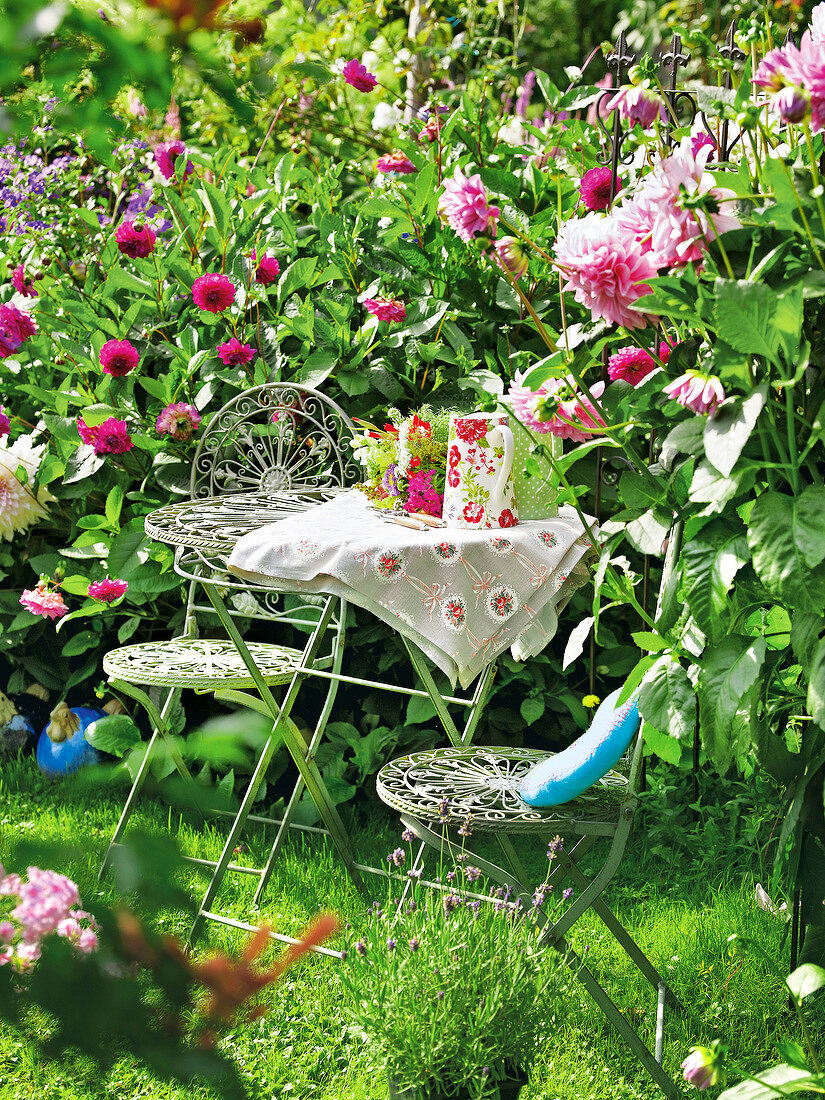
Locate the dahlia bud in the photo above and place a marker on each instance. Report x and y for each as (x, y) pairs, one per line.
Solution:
(792, 104)
(77, 270)
(510, 255)
(703, 1066)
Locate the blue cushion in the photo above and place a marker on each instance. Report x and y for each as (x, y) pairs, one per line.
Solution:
(568, 774)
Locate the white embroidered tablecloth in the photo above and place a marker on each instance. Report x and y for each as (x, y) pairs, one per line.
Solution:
(461, 596)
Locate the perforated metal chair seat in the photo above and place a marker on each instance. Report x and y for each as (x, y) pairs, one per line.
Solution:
(199, 663)
(484, 783)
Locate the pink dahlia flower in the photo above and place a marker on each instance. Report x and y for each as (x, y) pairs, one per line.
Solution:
(267, 271)
(637, 215)
(42, 600)
(235, 354)
(5, 423)
(594, 187)
(118, 357)
(464, 206)
(107, 590)
(21, 284)
(15, 328)
(780, 68)
(166, 154)
(605, 267)
(636, 103)
(702, 393)
(109, 438)
(633, 364)
(213, 293)
(556, 407)
(396, 162)
(356, 74)
(817, 28)
(135, 240)
(699, 141)
(179, 421)
(510, 255)
(386, 309)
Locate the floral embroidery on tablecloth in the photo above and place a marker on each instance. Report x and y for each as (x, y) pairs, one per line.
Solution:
(500, 545)
(501, 603)
(454, 612)
(388, 564)
(548, 538)
(445, 553)
(308, 548)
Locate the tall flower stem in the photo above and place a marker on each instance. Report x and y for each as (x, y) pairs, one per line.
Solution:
(814, 172)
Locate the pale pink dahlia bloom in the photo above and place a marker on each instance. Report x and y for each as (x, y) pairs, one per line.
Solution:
(636, 103)
(20, 506)
(397, 162)
(817, 28)
(179, 421)
(45, 900)
(358, 77)
(386, 309)
(42, 600)
(107, 590)
(556, 407)
(701, 393)
(605, 267)
(464, 206)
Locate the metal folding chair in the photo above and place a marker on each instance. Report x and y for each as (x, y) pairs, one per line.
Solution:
(480, 785)
(271, 451)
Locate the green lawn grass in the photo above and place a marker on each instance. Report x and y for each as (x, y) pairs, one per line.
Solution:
(681, 916)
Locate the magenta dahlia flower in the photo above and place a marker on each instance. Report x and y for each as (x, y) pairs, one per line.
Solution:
(5, 423)
(21, 284)
(118, 357)
(510, 255)
(109, 438)
(15, 328)
(386, 309)
(605, 267)
(594, 188)
(235, 354)
(267, 271)
(636, 103)
(45, 601)
(699, 392)
(397, 162)
(107, 590)
(356, 75)
(699, 141)
(213, 293)
(632, 364)
(135, 239)
(780, 68)
(464, 206)
(166, 154)
(179, 420)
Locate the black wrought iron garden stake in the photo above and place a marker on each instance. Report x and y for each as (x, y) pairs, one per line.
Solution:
(730, 52)
(671, 60)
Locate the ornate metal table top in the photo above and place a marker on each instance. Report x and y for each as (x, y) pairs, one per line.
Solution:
(214, 524)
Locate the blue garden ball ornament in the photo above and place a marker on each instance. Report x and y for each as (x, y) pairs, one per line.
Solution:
(63, 747)
(17, 731)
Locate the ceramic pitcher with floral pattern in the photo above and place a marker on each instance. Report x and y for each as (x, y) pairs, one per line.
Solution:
(479, 489)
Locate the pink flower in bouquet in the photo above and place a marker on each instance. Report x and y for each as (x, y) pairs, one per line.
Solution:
(107, 590)
(510, 255)
(699, 392)
(680, 235)
(397, 162)
(356, 75)
(135, 239)
(267, 271)
(636, 103)
(118, 357)
(605, 267)
(235, 354)
(42, 600)
(109, 438)
(594, 187)
(21, 284)
(421, 496)
(166, 154)
(5, 423)
(633, 364)
(386, 309)
(567, 413)
(464, 206)
(179, 420)
(213, 293)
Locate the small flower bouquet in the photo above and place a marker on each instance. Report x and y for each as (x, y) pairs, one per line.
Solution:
(406, 461)
(452, 989)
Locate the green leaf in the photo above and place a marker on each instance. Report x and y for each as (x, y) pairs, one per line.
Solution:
(649, 531)
(115, 734)
(673, 296)
(93, 415)
(646, 639)
(710, 562)
(216, 203)
(114, 503)
(532, 708)
(667, 700)
(744, 315)
(787, 539)
(419, 710)
(298, 276)
(80, 643)
(119, 279)
(729, 675)
(662, 744)
(816, 684)
(123, 553)
(575, 642)
(805, 980)
(729, 429)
